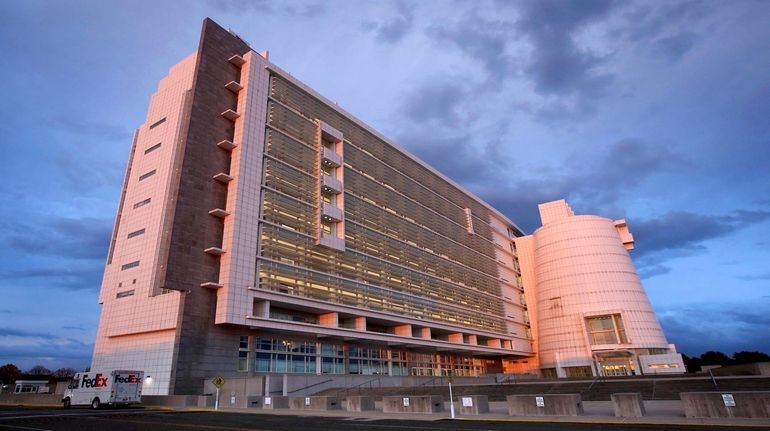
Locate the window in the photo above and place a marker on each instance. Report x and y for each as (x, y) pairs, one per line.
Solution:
(125, 293)
(130, 265)
(327, 227)
(147, 175)
(153, 148)
(327, 197)
(136, 233)
(328, 170)
(243, 353)
(157, 123)
(606, 329)
(142, 203)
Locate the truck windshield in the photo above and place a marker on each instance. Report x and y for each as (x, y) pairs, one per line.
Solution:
(74, 383)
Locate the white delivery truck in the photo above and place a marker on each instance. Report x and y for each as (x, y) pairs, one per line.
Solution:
(95, 388)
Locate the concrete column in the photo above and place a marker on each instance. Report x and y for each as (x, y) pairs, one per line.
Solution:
(425, 333)
(329, 319)
(318, 360)
(403, 330)
(285, 391)
(360, 322)
(250, 358)
(472, 339)
(457, 337)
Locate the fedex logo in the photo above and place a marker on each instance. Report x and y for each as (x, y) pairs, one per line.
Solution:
(129, 379)
(98, 381)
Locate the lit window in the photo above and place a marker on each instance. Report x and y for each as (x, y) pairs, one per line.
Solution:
(606, 329)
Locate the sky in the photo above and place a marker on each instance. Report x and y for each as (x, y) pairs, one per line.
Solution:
(653, 111)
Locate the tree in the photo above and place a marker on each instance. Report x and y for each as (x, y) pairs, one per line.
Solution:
(750, 357)
(64, 373)
(39, 370)
(9, 373)
(715, 358)
(691, 363)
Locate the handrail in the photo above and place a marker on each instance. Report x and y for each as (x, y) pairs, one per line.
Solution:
(347, 390)
(310, 386)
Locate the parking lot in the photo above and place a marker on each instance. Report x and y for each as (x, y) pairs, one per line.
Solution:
(55, 419)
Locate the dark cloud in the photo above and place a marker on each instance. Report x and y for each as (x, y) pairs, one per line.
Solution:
(83, 238)
(680, 233)
(723, 326)
(53, 353)
(682, 230)
(435, 101)
(240, 6)
(68, 278)
(483, 41)
(674, 47)
(557, 65)
(651, 21)
(267, 7)
(92, 130)
(13, 332)
(395, 28)
(596, 185)
(755, 277)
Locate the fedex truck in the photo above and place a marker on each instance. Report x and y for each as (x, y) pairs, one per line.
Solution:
(96, 388)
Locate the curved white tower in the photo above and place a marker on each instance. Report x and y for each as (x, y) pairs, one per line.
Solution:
(592, 315)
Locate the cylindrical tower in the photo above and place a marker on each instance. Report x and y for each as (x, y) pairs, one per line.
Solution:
(593, 315)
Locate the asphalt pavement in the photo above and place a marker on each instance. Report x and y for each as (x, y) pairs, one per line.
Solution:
(55, 419)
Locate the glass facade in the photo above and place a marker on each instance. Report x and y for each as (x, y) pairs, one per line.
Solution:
(407, 249)
(285, 355)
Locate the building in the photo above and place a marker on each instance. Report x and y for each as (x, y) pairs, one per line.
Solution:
(591, 315)
(263, 229)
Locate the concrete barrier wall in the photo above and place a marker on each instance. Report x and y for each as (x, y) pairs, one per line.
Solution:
(314, 403)
(713, 404)
(413, 404)
(628, 405)
(170, 400)
(473, 404)
(359, 404)
(30, 399)
(545, 405)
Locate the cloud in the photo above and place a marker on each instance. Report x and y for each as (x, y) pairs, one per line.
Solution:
(594, 184)
(73, 238)
(683, 230)
(12, 332)
(394, 29)
(557, 64)
(674, 47)
(53, 353)
(755, 277)
(482, 40)
(267, 7)
(728, 326)
(437, 101)
(680, 233)
(68, 278)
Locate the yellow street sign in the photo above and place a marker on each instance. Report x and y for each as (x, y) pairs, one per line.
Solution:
(218, 381)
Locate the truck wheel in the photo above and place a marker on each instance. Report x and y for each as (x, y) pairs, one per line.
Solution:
(95, 403)
(67, 403)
